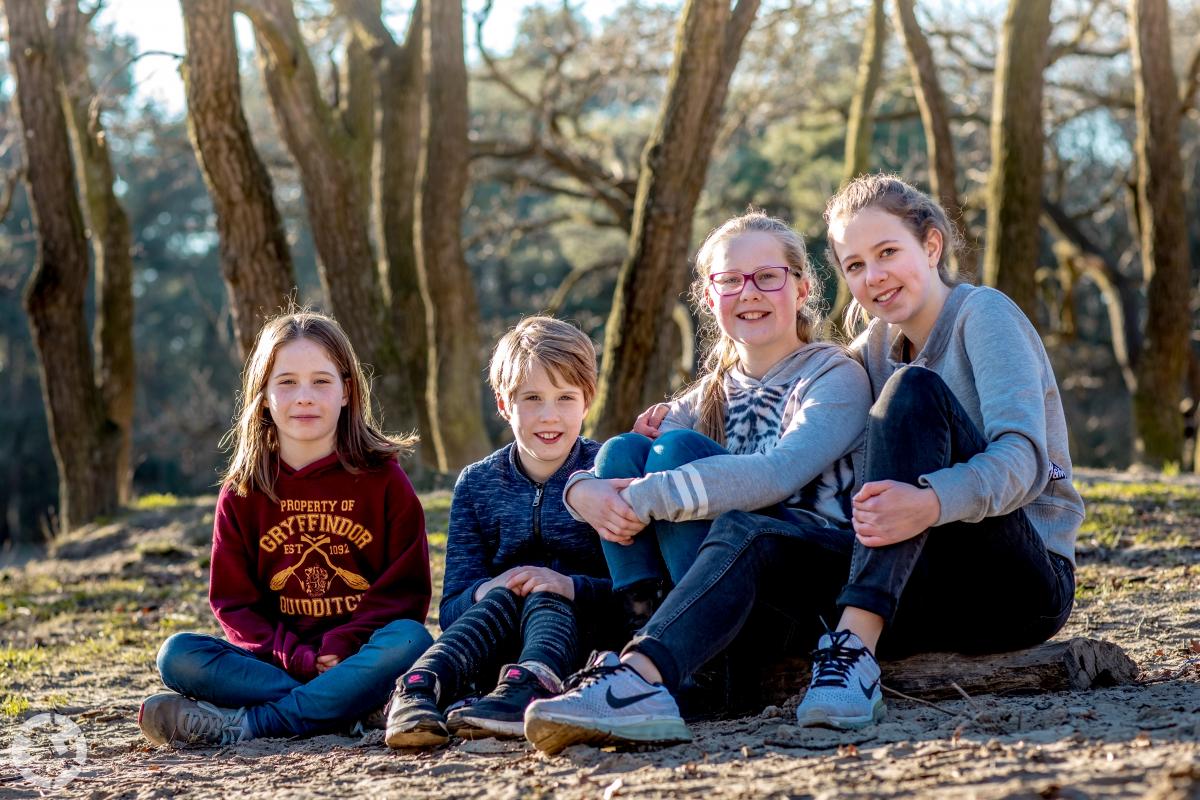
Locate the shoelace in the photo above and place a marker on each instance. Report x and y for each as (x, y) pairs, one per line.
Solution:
(590, 675)
(229, 725)
(831, 665)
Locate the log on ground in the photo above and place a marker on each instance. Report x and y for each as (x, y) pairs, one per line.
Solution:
(1070, 665)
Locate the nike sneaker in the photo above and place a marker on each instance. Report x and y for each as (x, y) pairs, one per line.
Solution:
(607, 702)
(172, 718)
(501, 713)
(844, 691)
(414, 719)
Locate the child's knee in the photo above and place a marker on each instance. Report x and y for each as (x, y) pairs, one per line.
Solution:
(623, 456)
(176, 660)
(675, 448)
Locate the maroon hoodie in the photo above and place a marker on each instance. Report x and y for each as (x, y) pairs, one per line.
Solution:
(338, 557)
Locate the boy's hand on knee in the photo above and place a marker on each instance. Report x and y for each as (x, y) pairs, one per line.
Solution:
(600, 504)
(498, 582)
(327, 662)
(649, 421)
(888, 512)
(527, 580)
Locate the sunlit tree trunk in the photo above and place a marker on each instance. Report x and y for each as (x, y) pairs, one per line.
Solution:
(109, 233)
(331, 167)
(455, 398)
(674, 164)
(1015, 184)
(943, 171)
(1165, 267)
(86, 442)
(256, 263)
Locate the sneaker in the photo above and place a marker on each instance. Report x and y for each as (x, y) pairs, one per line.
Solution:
(605, 703)
(844, 691)
(172, 718)
(414, 719)
(501, 713)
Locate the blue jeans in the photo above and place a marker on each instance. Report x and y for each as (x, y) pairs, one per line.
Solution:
(766, 581)
(277, 705)
(664, 550)
(970, 587)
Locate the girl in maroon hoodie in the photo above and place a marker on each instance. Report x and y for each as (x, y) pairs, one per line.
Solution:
(320, 565)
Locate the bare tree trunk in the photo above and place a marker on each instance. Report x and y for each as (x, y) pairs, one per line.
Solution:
(110, 235)
(397, 149)
(943, 171)
(1165, 267)
(674, 164)
(1015, 184)
(256, 262)
(320, 141)
(454, 396)
(860, 125)
(86, 442)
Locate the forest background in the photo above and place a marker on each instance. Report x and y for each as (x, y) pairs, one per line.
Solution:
(430, 192)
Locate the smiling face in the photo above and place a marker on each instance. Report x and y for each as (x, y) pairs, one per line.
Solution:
(305, 395)
(891, 273)
(546, 414)
(762, 325)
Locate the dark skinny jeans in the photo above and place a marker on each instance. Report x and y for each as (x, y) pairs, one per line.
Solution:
(969, 587)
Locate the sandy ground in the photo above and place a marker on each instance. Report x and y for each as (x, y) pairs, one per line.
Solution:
(80, 630)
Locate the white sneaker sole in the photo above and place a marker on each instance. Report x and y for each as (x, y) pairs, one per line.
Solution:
(820, 718)
(551, 733)
(467, 726)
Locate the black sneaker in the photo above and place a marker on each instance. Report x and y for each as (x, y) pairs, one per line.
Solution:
(414, 719)
(501, 713)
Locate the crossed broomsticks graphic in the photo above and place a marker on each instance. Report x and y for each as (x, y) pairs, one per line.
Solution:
(353, 580)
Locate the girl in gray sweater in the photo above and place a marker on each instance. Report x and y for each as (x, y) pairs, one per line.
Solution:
(965, 525)
(773, 426)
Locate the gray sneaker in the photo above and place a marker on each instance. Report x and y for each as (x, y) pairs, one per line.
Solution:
(844, 691)
(172, 718)
(605, 703)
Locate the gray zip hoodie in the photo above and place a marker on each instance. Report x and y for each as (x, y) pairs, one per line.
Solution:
(793, 438)
(990, 356)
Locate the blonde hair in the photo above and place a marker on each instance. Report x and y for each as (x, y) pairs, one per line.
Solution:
(720, 353)
(558, 347)
(359, 443)
(919, 212)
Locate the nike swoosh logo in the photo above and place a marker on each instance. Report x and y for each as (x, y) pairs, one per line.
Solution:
(621, 702)
(868, 690)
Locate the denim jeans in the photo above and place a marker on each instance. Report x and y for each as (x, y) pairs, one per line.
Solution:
(663, 549)
(969, 587)
(766, 581)
(277, 705)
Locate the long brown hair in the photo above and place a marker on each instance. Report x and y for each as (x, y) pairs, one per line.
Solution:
(919, 212)
(359, 443)
(721, 354)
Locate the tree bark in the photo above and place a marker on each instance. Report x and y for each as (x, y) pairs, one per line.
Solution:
(674, 165)
(939, 144)
(397, 149)
(110, 235)
(454, 397)
(86, 442)
(256, 262)
(1015, 183)
(338, 206)
(860, 125)
(1072, 665)
(1165, 267)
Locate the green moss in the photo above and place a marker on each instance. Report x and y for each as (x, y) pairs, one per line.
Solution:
(150, 502)
(14, 705)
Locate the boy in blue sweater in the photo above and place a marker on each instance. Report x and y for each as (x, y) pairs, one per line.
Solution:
(525, 582)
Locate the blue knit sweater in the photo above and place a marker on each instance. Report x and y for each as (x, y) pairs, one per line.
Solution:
(500, 519)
